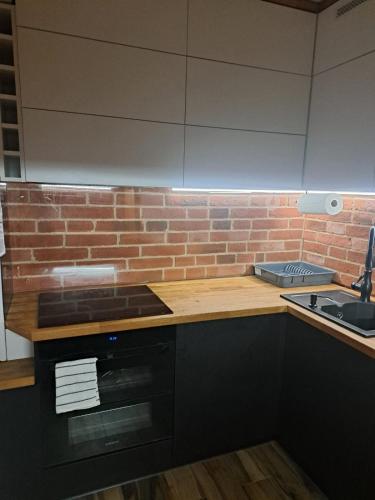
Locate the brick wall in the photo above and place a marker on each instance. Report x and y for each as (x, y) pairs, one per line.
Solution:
(72, 237)
(340, 242)
(67, 237)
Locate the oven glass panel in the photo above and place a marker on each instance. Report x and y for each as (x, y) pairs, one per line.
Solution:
(125, 378)
(109, 424)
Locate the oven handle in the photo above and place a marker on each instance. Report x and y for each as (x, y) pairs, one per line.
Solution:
(161, 347)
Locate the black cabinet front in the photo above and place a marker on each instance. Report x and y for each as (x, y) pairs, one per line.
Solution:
(228, 376)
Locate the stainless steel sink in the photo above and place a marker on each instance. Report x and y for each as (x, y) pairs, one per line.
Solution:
(340, 307)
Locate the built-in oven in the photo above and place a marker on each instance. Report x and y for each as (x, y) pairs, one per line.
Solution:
(136, 388)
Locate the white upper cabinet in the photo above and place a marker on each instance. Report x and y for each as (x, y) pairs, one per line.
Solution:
(252, 32)
(345, 30)
(155, 24)
(341, 144)
(218, 158)
(231, 96)
(65, 73)
(72, 148)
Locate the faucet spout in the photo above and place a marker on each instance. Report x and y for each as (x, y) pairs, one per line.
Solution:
(364, 283)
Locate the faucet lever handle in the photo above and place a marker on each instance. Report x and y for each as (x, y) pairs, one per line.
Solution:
(356, 284)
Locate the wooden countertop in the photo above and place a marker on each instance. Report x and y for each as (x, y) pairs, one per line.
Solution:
(17, 373)
(191, 301)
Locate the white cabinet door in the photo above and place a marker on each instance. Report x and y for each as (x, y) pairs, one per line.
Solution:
(155, 24)
(341, 143)
(65, 73)
(219, 158)
(231, 96)
(252, 32)
(80, 149)
(345, 36)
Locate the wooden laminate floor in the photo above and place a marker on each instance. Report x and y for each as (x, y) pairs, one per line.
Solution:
(263, 472)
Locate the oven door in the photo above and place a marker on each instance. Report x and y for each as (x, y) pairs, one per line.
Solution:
(136, 388)
(136, 373)
(107, 428)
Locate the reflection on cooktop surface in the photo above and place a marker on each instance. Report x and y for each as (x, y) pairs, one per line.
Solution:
(98, 304)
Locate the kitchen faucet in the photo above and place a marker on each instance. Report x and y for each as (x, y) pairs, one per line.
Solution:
(363, 284)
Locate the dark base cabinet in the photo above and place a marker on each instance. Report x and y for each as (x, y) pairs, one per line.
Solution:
(328, 412)
(228, 376)
(20, 444)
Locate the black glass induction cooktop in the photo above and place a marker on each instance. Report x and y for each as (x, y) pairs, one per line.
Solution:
(98, 304)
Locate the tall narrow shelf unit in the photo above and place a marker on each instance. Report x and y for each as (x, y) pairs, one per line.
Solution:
(12, 164)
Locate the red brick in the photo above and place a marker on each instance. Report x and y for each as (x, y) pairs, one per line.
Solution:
(177, 237)
(163, 250)
(164, 213)
(270, 224)
(293, 244)
(281, 256)
(51, 226)
(186, 200)
(174, 274)
(223, 224)
(87, 212)
(284, 212)
(230, 270)
(225, 259)
(140, 199)
(248, 213)
(237, 247)
(205, 260)
(296, 223)
(195, 273)
(40, 269)
(119, 225)
(287, 234)
(32, 212)
(240, 200)
(313, 258)
(114, 252)
(336, 227)
(156, 225)
(141, 238)
(238, 224)
(315, 225)
(245, 258)
(357, 257)
(20, 226)
(229, 235)
(48, 254)
(310, 235)
(265, 246)
(342, 267)
(128, 277)
(338, 253)
(90, 240)
(17, 196)
(357, 231)
(17, 255)
(363, 218)
(58, 197)
(199, 248)
(101, 198)
(189, 225)
(219, 213)
(259, 235)
(157, 262)
(199, 236)
(184, 261)
(80, 226)
(314, 247)
(333, 239)
(128, 213)
(197, 213)
(36, 283)
(35, 240)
